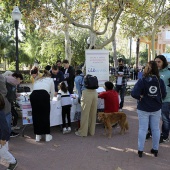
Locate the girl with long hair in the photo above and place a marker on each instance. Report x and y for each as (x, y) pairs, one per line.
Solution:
(149, 91)
(64, 96)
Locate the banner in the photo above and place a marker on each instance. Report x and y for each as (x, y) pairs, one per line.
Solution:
(97, 64)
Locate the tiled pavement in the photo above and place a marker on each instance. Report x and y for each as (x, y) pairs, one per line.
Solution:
(70, 152)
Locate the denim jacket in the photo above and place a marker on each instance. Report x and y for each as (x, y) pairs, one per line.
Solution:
(79, 81)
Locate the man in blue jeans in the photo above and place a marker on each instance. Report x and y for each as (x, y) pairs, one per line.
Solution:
(164, 72)
(122, 74)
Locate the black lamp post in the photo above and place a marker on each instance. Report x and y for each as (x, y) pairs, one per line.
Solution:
(16, 16)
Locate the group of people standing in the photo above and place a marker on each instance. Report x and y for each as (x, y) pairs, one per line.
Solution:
(56, 81)
(152, 92)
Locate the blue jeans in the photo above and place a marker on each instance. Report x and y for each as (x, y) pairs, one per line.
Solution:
(165, 120)
(121, 90)
(144, 119)
(9, 119)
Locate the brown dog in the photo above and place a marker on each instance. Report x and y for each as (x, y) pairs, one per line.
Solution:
(109, 119)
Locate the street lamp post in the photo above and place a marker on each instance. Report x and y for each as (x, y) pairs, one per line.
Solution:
(16, 16)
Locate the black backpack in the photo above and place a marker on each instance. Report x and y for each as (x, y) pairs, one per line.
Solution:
(90, 82)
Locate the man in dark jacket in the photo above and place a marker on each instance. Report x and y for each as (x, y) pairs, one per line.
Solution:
(57, 76)
(69, 75)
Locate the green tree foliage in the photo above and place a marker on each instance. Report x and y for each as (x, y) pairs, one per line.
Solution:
(143, 57)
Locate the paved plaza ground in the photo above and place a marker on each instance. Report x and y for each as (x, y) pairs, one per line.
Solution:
(70, 152)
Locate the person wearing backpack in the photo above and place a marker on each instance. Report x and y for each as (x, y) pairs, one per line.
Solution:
(88, 101)
(149, 91)
(164, 72)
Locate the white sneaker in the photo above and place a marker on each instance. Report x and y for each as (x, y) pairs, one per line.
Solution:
(120, 110)
(38, 138)
(64, 130)
(69, 130)
(48, 138)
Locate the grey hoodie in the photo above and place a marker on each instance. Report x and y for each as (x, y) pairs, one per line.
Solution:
(3, 91)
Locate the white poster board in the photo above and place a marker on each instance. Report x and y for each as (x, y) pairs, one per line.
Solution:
(26, 113)
(97, 64)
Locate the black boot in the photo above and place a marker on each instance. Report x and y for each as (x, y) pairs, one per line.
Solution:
(155, 152)
(140, 153)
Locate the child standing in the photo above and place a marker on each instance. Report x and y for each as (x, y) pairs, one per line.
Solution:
(64, 96)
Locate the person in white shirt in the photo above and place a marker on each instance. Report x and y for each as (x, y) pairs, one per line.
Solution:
(43, 88)
(64, 96)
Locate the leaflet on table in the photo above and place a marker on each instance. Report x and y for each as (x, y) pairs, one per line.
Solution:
(26, 114)
(100, 89)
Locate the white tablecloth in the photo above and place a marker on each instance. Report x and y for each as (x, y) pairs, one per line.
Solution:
(55, 113)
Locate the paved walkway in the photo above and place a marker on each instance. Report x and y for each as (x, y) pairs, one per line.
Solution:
(70, 152)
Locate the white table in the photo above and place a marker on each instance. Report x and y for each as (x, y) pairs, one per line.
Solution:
(55, 112)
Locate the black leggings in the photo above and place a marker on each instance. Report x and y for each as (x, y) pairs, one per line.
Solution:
(66, 111)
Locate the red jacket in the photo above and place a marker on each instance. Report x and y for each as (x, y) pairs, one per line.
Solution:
(111, 101)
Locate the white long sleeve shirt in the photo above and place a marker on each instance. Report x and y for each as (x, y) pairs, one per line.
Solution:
(64, 97)
(46, 83)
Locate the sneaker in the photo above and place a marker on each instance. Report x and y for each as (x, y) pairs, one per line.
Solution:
(162, 140)
(16, 128)
(77, 134)
(120, 110)
(13, 134)
(12, 166)
(64, 130)
(48, 137)
(68, 129)
(37, 138)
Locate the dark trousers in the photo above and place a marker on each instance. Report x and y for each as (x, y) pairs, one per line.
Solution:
(66, 112)
(40, 102)
(121, 90)
(14, 115)
(165, 120)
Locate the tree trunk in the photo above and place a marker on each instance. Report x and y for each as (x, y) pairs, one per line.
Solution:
(153, 43)
(137, 52)
(114, 52)
(68, 52)
(130, 52)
